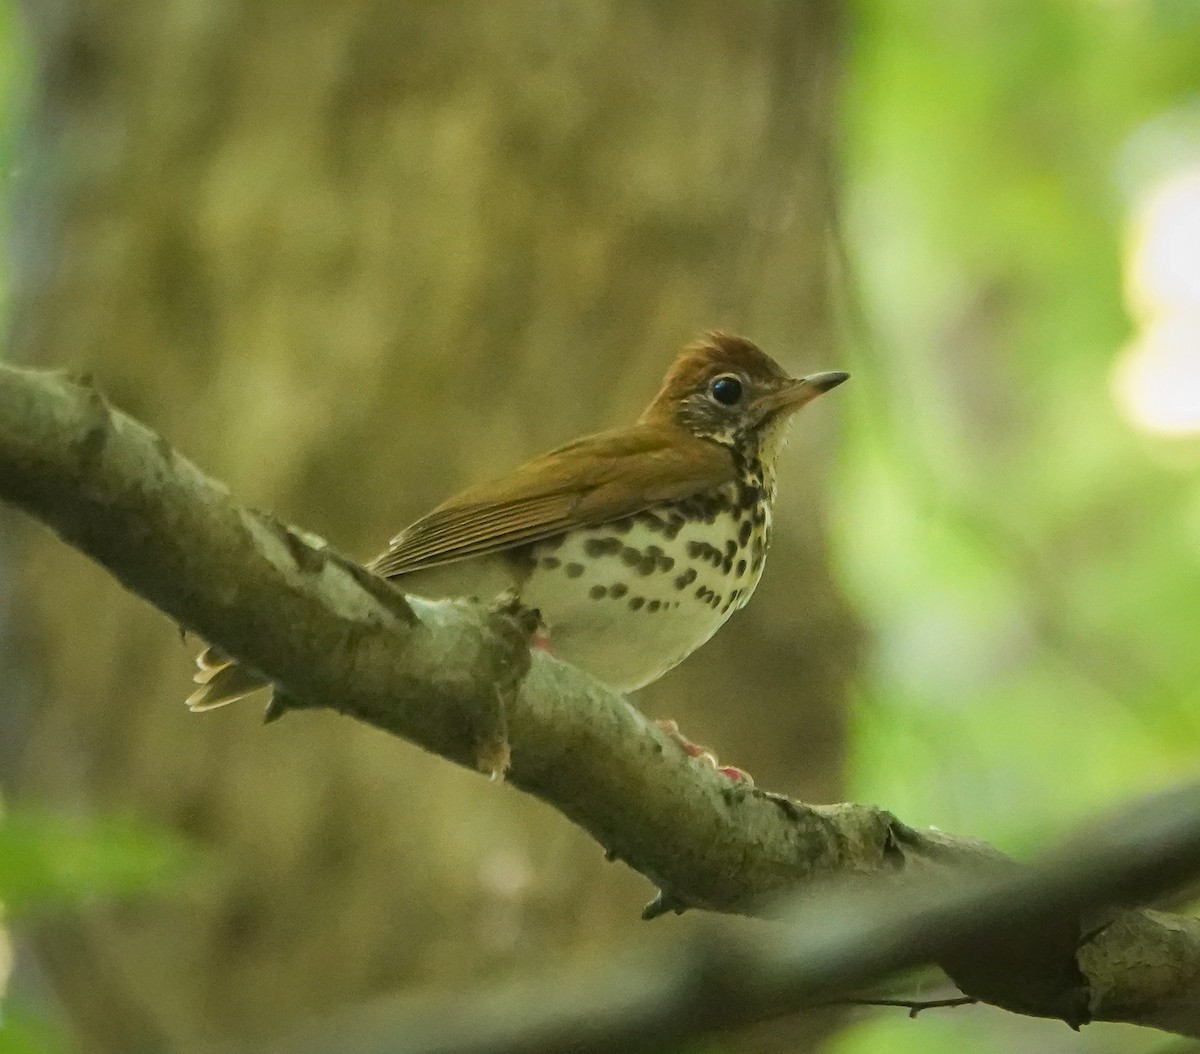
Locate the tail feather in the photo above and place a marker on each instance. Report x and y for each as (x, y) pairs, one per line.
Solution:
(212, 658)
(221, 681)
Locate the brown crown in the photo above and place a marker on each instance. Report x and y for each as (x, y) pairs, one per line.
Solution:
(713, 354)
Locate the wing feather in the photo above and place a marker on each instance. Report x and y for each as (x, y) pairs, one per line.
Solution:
(588, 482)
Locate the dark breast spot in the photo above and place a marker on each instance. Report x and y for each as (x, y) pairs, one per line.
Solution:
(751, 494)
(523, 558)
(740, 569)
(654, 605)
(744, 535)
(705, 507)
(686, 579)
(598, 592)
(602, 546)
(660, 558)
(635, 603)
(646, 565)
(622, 526)
(630, 556)
(573, 570)
(551, 563)
(651, 521)
(618, 590)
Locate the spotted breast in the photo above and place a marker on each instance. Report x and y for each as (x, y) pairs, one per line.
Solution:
(636, 597)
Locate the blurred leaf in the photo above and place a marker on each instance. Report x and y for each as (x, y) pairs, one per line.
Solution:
(53, 860)
(21, 1033)
(1027, 562)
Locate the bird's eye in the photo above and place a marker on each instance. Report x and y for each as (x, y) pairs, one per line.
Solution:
(726, 389)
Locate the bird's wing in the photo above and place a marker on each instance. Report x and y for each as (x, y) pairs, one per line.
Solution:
(588, 482)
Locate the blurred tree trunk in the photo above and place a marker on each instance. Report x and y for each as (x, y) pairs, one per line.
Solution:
(350, 256)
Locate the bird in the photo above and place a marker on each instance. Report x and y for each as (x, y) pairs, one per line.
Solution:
(633, 546)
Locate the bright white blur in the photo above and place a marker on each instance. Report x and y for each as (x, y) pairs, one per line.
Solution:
(1156, 380)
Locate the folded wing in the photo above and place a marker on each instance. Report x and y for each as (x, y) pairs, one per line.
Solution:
(586, 483)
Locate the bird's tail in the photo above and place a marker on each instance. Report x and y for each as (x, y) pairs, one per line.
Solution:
(221, 681)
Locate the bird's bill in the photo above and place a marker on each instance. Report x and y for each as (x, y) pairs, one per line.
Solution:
(796, 393)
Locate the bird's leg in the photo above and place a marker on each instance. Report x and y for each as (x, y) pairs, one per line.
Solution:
(695, 750)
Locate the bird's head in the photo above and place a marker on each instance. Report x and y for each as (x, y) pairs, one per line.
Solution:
(726, 389)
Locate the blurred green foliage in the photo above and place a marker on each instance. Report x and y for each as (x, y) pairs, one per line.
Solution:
(49, 861)
(15, 60)
(22, 1034)
(1028, 562)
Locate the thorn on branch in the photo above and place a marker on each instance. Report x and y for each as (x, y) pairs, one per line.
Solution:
(792, 809)
(914, 1006)
(164, 448)
(380, 589)
(307, 551)
(663, 903)
(492, 752)
(99, 413)
(279, 704)
(1094, 931)
(898, 836)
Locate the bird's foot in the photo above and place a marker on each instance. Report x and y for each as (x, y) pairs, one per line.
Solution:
(692, 750)
(695, 750)
(528, 620)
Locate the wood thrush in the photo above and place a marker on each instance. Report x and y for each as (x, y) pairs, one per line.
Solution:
(634, 545)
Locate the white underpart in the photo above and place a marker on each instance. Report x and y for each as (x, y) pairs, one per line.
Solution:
(607, 637)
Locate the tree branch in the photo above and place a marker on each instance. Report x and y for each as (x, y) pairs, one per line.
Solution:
(453, 678)
(829, 944)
